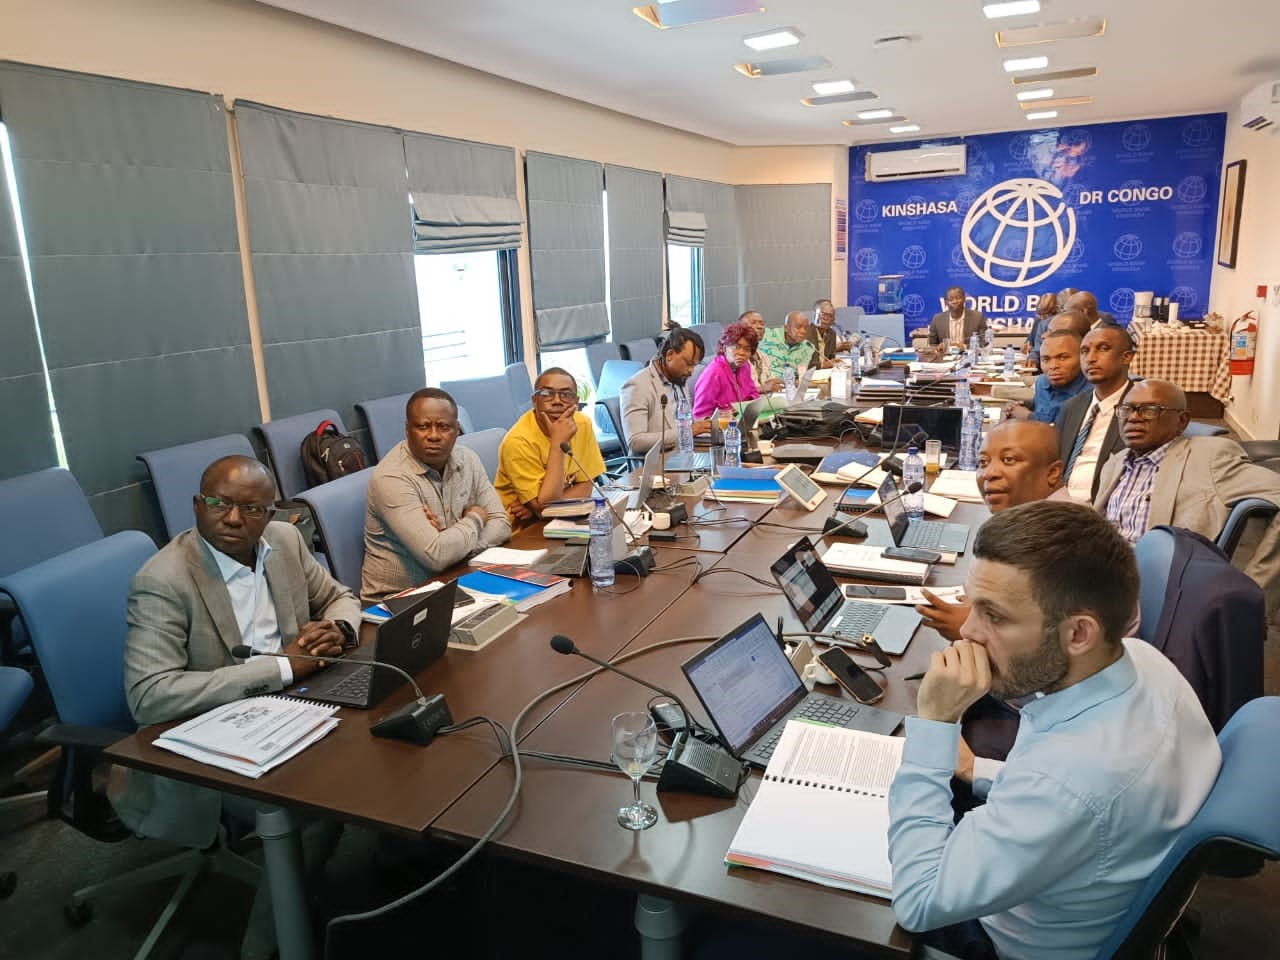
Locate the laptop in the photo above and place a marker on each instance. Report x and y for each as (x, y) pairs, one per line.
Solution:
(929, 534)
(817, 600)
(938, 423)
(704, 461)
(750, 691)
(411, 640)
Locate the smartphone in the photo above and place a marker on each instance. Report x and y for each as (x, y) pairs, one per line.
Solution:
(864, 591)
(915, 554)
(860, 684)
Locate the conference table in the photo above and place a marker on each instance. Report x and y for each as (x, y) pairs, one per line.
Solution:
(565, 819)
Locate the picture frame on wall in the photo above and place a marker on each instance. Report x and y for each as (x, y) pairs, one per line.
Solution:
(1229, 224)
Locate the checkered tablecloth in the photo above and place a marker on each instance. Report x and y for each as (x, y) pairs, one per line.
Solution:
(1196, 360)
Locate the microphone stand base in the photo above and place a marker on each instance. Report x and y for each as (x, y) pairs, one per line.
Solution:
(417, 721)
(702, 768)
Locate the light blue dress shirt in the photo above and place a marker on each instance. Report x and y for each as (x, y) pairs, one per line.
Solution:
(251, 602)
(1101, 778)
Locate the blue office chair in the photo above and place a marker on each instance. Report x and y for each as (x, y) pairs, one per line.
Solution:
(487, 399)
(15, 687)
(283, 441)
(597, 354)
(487, 444)
(339, 510)
(1197, 429)
(1154, 553)
(385, 419)
(521, 388)
(710, 334)
(642, 350)
(608, 418)
(464, 420)
(74, 605)
(1243, 511)
(175, 475)
(1265, 453)
(1238, 818)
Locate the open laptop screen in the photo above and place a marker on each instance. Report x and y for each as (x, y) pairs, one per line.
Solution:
(938, 423)
(745, 681)
(895, 512)
(807, 584)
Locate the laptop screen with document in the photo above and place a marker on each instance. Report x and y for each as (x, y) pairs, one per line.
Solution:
(807, 584)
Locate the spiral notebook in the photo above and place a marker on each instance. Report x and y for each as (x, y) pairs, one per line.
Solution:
(822, 810)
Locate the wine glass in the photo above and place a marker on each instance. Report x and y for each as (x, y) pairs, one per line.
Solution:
(635, 745)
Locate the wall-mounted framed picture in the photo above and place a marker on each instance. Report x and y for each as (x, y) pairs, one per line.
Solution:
(1229, 224)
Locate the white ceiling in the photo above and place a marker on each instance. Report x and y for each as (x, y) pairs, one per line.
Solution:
(1157, 58)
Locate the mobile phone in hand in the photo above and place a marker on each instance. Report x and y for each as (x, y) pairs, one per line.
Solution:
(860, 684)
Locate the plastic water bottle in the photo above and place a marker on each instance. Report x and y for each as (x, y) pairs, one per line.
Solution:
(684, 425)
(913, 472)
(600, 550)
(1010, 371)
(789, 382)
(732, 443)
(868, 357)
(975, 354)
(970, 439)
(962, 391)
(988, 337)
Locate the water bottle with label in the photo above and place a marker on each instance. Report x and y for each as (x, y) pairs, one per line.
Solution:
(732, 443)
(684, 425)
(600, 550)
(1010, 365)
(988, 338)
(789, 382)
(970, 438)
(962, 391)
(975, 353)
(913, 472)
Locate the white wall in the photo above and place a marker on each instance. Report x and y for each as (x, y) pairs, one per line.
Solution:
(1254, 411)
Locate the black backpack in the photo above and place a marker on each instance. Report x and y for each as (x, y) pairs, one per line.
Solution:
(328, 454)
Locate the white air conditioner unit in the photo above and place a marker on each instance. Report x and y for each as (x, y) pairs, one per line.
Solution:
(941, 161)
(1260, 108)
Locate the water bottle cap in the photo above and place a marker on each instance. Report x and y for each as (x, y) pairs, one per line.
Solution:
(599, 501)
(912, 450)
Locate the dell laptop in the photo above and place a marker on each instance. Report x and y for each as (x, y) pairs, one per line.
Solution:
(928, 534)
(750, 691)
(817, 600)
(411, 640)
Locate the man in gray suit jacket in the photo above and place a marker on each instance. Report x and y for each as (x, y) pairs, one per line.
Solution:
(956, 319)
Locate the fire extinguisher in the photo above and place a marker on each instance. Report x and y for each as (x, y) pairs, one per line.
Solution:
(1244, 344)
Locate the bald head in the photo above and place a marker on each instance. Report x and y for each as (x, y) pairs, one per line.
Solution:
(1086, 303)
(1019, 463)
(1072, 320)
(797, 326)
(1155, 411)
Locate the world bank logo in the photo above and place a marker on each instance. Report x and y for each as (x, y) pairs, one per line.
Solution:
(1192, 189)
(1128, 246)
(1020, 148)
(1187, 244)
(913, 257)
(1186, 298)
(1076, 254)
(1136, 137)
(957, 257)
(866, 211)
(1122, 302)
(913, 305)
(866, 259)
(1018, 232)
(868, 304)
(1197, 133)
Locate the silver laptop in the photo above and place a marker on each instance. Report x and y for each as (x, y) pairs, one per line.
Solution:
(927, 534)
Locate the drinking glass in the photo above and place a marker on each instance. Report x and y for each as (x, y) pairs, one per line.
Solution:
(635, 745)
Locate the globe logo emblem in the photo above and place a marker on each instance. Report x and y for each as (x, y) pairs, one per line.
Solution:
(957, 256)
(1185, 296)
(865, 211)
(868, 304)
(1136, 137)
(1122, 302)
(913, 257)
(866, 259)
(1020, 148)
(1018, 232)
(1197, 133)
(1128, 246)
(913, 305)
(1187, 244)
(1076, 254)
(1192, 189)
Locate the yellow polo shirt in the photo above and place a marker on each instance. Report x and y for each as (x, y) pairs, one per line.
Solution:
(522, 459)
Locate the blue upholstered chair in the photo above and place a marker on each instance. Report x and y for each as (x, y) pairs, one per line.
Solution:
(710, 334)
(487, 399)
(385, 419)
(597, 354)
(1243, 511)
(642, 350)
(283, 440)
(1154, 553)
(175, 475)
(339, 510)
(487, 444)
(15, 687)
(520, 387)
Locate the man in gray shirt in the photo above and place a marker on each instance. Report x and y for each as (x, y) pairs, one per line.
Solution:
(431, 504)
(640, 397)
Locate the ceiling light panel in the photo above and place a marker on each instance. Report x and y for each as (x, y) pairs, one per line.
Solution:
(776, 68)
(828, 88)
(1059, 102)
(1043, 115)
(1077, 73)
(1044, 93)
(839, 98)
(1025, 63)
(879, 114)
(687, 12)
(1049, 32)
(773, 39)
(906, 128)
(1010, 8)
(872, 123)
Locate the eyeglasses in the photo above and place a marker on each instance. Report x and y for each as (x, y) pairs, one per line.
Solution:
(250, 511)
(546, 393)
(1145, 411)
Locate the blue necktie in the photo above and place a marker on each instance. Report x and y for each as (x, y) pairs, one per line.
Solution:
(1081, 437)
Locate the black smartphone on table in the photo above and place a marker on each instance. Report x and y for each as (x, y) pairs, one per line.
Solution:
(860, 684)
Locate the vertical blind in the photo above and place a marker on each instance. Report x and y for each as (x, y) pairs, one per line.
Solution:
(635, 252)
(464, 195)
(785, 238)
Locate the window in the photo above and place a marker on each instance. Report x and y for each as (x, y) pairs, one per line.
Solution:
(684, 284)
(469, 309)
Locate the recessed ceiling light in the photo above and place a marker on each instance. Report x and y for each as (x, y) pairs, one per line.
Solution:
(872, 123)
(839, 98)
(875, 114)
(906, 128)
(1044, 93)
(773, 39)
(1025, 63)
(774, 68)
(1057, 102)
(1010, 8)
(1076, 73)
(828, 88)
(1042, 115)
(665, 15)
(1049, 32)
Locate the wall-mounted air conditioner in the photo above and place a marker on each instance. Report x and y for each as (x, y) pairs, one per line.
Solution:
(1260, 108)
(941, 161)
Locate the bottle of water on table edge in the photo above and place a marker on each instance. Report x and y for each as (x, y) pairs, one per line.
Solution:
(975, 352)
(684, 425)
(600, 547)
(1010, 369)
(789, 382)
(970, 434)
(913, 472)
(962, 391)
(732, 443)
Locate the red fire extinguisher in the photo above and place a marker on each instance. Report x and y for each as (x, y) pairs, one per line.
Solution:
(1244, 344)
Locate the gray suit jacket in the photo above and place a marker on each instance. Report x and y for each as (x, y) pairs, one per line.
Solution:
(975, 321)
(177, 659)
(1069, 421)
(1198, 479)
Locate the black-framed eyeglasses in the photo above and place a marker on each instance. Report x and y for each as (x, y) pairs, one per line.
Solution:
(546, 393)
(1144, 411)
(250, 511)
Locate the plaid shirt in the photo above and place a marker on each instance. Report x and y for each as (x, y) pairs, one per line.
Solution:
(1129, 506)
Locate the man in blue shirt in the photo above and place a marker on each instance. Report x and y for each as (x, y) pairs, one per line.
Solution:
(1061, 380)
(1113, 756)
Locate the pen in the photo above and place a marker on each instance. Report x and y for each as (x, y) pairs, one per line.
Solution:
(915, 676)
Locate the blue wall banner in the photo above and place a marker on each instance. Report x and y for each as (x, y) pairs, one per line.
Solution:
(1108, 207)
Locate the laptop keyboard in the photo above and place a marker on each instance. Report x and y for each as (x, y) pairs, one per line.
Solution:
(924, 534)
(836, 713)
(354, 687)
(858, 619)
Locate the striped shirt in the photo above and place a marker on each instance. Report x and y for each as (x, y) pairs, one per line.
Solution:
(1129, 506)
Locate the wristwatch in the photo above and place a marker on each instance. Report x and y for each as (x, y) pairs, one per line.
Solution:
(349, 639)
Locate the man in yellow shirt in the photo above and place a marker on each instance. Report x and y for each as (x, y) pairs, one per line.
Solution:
(533, 470)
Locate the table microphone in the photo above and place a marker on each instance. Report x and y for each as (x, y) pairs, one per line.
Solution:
(832, 526)
(643, 562)
(417, 721)
(662, 450)
(692, 766)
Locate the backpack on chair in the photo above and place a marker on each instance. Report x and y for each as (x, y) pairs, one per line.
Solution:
(328, 454)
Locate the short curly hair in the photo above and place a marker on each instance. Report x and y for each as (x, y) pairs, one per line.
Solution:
(738, 331)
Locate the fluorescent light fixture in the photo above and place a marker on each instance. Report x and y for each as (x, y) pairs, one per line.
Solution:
(1010, 8)
(906, 128)
(1025, 63)
(773, 39)
(828, 88)
(875, 114)
(776, 68)
(872, 123)
(1044, 93)
(1081, 29)
(839, 98)
(1043, 115)
(1057, 102)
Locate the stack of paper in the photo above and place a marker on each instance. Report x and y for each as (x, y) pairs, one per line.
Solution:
(507, 555)
(867, 563)
(958, 485)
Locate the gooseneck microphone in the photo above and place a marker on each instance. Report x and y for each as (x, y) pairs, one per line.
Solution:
(417, 721)
(833, 526)
(662, 450)
(692, 766)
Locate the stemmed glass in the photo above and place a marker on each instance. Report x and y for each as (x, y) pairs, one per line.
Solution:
(635, 745)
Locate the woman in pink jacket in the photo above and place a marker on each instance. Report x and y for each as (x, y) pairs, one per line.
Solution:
(727, 379)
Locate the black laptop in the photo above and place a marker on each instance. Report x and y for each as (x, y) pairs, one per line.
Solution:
(938, 423)
(411, 640)
(750, 691)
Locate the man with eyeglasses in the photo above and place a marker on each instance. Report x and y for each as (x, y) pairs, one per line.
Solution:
(788, 345)
(431, 504)
(1165, 478)
(645, 418)
(822, 334)
(533, 469)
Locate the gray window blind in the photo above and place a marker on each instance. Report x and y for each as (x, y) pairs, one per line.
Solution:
(635, 252)
(332, 259)
(721, 276)
(566, 248)
(686, 222)
(126, 194)
(785, 232)
(464, 195)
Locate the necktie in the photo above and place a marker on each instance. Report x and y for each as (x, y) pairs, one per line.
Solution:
(1081, 437)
